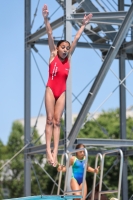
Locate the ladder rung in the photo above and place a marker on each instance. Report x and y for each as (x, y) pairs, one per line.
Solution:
(109, 191)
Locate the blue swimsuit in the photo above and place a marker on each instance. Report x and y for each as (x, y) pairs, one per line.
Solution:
(78, 170)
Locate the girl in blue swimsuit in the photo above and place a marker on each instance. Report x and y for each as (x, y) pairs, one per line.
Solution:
(78, 162)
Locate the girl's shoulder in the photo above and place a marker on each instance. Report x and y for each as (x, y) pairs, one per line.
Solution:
(72, 160)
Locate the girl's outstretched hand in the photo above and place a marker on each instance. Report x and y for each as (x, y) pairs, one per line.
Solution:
(97, 170)
(45, 11)
(60, 168)
(86, 19)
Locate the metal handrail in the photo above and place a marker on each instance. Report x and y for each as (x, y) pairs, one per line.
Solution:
(65, 155)
(120, 174)
(94, 179)
(67, 171)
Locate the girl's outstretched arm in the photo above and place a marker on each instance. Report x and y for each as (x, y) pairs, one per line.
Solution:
(90, 169)
(85, 21)
(45, 13)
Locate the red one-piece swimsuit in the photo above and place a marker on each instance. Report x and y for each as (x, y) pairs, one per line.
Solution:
(58, 73)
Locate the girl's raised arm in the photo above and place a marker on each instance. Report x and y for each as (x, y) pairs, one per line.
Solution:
(85, 21)
(45, 13)
(90, 169)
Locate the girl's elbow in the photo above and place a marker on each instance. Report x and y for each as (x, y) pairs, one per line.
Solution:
(49, 33)
(77, 37)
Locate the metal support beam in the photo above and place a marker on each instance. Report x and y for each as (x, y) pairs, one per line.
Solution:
(122, 74)
(35, 36)
(131, 27)
(107, 143)
(88, 6)
(68, 37)
(101, 18)
(102, 46)
(123, 123)
(27, 89)
(128, 153)
(101, 15)
(110, 143)
(109, 22)
(128, 45)
(68, 105)
(101, 75)
(91, 151)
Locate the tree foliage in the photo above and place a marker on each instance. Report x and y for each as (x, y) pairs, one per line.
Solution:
(13, 178)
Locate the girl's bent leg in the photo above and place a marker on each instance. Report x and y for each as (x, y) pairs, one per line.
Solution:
(59, 107)
(49, 105)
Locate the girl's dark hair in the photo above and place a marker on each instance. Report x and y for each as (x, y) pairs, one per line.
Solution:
(58, 44)
(79, 145)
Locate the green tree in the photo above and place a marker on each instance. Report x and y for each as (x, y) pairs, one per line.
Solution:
(14, 171)
(3, 151)
(3, 157)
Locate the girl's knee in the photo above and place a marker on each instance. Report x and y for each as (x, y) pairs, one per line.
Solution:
(57, 122)
(50, 121)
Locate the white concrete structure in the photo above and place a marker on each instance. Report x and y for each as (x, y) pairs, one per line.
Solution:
(40, 125)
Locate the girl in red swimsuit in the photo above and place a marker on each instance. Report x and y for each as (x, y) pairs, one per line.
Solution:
(59, 65)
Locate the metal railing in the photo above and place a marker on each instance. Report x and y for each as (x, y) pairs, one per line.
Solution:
(99, 155)
(102, 157)
(120, 175)
(67, 172)
(64, 156)
(68, 156)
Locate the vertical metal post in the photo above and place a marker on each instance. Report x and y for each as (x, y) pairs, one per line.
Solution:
(131, 26)
(68, 37)
(123, 112)
(27, 89)
(123, 123)
(122, 96)
(99, 155)
(68, 106)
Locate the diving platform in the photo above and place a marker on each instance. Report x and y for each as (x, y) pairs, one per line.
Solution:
(49, 197)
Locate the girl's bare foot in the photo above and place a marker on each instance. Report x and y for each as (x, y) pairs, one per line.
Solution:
(55, 161)
(49, 157)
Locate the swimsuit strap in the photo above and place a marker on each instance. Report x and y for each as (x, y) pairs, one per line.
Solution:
(75, 160)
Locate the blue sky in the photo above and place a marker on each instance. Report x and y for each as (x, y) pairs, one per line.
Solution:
(85, 66)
